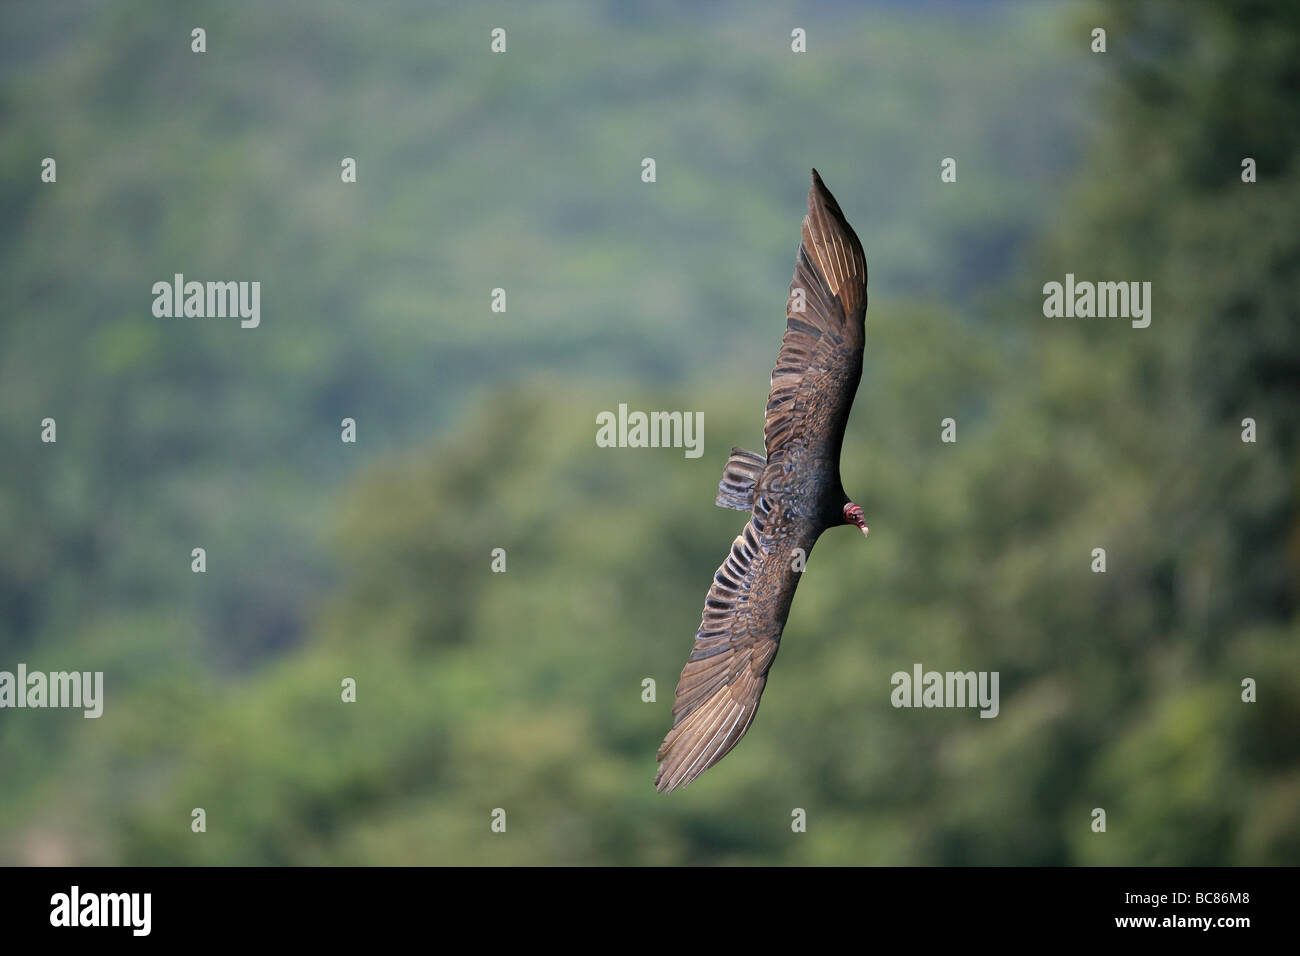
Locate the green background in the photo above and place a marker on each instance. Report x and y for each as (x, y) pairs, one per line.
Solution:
(476, 429)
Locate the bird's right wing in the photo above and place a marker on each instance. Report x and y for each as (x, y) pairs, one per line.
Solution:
(739, 633)
(820, 361)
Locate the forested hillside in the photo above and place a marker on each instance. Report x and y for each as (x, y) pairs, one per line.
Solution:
(523, 690)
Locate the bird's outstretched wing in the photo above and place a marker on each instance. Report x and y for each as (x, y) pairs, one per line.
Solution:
(820, 361)
(740, 630)
(813, 384)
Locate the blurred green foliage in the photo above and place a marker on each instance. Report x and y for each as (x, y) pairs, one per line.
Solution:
(522, 690)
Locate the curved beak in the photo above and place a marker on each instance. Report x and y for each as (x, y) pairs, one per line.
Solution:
(853, 515)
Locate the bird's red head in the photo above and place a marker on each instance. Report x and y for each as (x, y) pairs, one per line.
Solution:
(853, 515)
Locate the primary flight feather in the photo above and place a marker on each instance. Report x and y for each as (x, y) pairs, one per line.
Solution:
(793, 494)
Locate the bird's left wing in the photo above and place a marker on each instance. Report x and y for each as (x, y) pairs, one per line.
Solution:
(817, 369)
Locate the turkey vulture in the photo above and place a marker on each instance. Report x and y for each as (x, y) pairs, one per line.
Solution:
(793, 495)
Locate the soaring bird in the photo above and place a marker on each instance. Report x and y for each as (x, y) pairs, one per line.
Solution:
(793, 494)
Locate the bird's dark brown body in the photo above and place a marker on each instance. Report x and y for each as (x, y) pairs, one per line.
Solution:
(793, 494)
